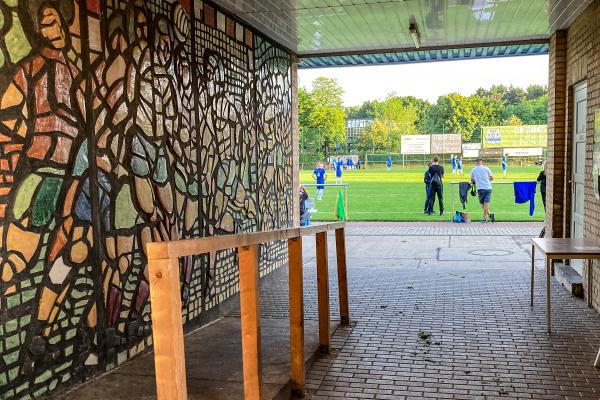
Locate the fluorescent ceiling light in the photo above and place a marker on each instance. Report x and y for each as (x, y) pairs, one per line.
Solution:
(415, 35)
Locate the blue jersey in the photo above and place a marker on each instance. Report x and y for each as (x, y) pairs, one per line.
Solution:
(459, 163)
(338, 169)
(453, 162)
(320, 175)
(389, 162)
(503, 162)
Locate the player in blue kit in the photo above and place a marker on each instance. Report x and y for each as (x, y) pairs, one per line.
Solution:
(320, 176)
(389, 163)
(504, 165)
(459, 165)
(453, 161)
(338, 170)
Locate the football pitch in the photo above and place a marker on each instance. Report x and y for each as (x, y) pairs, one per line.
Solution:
(376, 194)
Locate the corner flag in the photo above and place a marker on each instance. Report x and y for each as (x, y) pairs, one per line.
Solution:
(340, 212)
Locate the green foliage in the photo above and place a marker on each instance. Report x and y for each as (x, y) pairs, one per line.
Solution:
(321, 115)
(322, 125)
(394, 117)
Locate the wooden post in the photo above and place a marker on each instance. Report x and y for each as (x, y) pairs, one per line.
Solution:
(323, 291)
(167, 329)
(548, 290)
(250, 319)
(532, 271)
(340, 247)
(296, 292)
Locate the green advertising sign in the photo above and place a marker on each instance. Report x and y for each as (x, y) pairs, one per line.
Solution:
(497, 137)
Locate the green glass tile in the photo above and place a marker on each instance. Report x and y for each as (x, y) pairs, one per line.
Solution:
(28, 295)
(11, 357)
(38, 393)
(122, 357)
(66, 377)
(12, 325)
(54, 340)
(125, 214)
(69, 351)
(16, 41)
(13, 373)
(13, 341)
(25, 194)
(25, 320)
(81, 162)
(70, 334)
(63, 366)
(180, 183)
(3, 379)
(51, 171)
(160, 174)
(53, 384)
(45, 202)
(44, 377)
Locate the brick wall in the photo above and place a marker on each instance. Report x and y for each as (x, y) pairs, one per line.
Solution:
(574, 58)
(556, 133)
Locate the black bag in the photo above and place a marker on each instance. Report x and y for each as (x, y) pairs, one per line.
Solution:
(436, 180)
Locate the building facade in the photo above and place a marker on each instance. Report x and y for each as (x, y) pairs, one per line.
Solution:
(574, 98)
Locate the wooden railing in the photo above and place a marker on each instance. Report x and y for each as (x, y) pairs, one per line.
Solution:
(167, 322)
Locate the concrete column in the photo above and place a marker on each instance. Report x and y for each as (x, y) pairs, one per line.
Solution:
(558, 187)
(295, 143)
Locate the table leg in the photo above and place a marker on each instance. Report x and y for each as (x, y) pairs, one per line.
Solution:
(532, 270)
(589, 282)
(548, 306)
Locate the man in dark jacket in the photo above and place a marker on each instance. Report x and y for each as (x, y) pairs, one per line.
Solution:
(437, 174)
(542, 180)
(427, 181)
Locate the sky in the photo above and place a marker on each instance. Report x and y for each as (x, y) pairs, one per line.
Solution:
(430, 80)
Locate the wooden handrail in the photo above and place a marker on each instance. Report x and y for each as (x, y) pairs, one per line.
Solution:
(165, 300)
(192, 247)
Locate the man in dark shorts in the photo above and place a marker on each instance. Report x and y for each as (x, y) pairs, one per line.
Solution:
(482, 177)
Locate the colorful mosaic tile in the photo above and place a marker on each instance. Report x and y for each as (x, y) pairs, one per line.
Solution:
(184, 132)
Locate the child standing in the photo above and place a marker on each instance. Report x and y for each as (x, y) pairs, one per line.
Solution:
(504, 165)
(320, 176)
(338, 170)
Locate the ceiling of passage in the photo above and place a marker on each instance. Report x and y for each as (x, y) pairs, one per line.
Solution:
(324, 28)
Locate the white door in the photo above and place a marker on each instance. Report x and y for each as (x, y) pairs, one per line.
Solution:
(578, 168)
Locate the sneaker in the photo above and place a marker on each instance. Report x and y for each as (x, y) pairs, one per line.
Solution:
(441, 213)
(484, 221)
(492, 218)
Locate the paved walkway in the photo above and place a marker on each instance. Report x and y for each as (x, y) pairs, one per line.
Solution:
(444, 229)
(449, 318)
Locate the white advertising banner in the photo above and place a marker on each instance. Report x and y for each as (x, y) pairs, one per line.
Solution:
(445, 144)
(523, 152)
(415, 144)
(470, 153)
(471, 150)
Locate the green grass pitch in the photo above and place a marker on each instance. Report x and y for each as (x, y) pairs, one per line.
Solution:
(376, 194)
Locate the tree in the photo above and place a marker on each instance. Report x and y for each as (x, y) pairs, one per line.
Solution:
(513, 121)
(321, 114)
(536, 91)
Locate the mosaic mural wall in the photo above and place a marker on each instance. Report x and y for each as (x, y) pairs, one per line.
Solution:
(124, 122)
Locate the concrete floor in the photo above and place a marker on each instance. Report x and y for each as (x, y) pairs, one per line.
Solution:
(213, 365)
